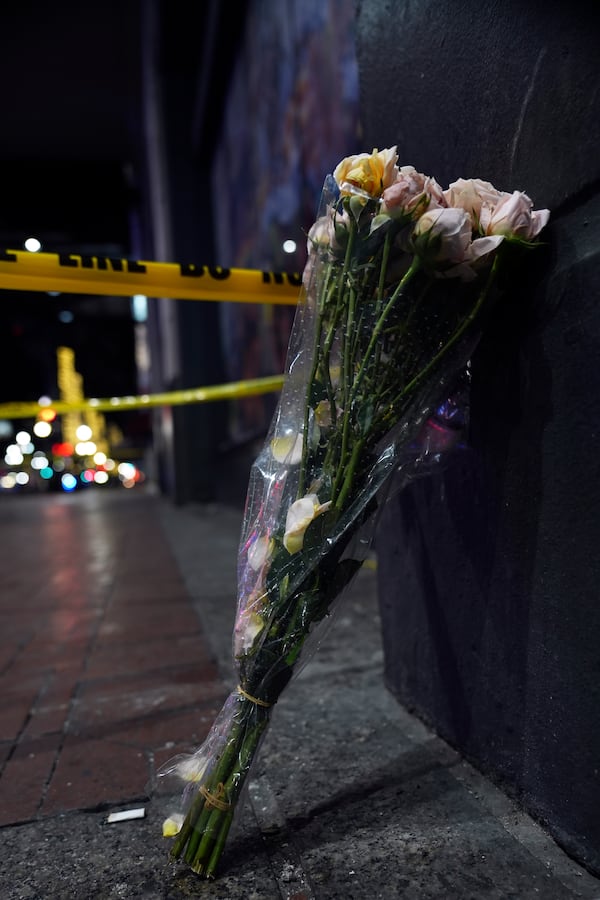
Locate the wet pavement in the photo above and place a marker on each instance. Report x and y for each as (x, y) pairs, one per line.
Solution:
(115, 618)
(104, 665)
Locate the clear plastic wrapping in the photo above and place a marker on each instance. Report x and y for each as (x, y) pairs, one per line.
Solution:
(399, 279)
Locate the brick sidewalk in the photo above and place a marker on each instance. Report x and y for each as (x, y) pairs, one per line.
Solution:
(104, 670)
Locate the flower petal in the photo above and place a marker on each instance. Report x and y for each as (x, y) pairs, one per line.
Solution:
(172, 825)
(300, 514)
(192, 768)
(259, 552)
(368, 172)
(287, 448)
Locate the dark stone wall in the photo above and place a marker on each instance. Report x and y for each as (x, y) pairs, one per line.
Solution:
(506, 90)
(489, 570)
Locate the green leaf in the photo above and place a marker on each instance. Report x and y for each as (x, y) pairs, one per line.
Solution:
(341, 232)
(378, 221)
(294, 653)
(357, 206)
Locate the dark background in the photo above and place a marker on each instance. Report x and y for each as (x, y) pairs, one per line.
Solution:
(89, 93)
(73, 156)
(71, 131)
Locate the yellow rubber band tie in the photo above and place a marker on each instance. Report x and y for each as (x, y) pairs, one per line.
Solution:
(215, 799)
(252, 699)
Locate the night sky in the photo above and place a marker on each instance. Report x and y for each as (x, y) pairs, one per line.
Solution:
(71, 149)
(70, 207)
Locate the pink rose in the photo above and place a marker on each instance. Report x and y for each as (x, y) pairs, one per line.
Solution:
(514, 216)
(411, 191)
(471, 194)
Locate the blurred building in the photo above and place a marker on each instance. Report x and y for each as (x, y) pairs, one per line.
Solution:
(175, 133)
(69, 151)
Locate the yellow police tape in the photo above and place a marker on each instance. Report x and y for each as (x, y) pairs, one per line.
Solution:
(250, 388)
(74, 274)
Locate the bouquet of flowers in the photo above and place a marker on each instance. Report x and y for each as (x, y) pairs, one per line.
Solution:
(399, 281)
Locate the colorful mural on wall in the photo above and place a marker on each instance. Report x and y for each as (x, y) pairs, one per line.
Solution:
(292, 113)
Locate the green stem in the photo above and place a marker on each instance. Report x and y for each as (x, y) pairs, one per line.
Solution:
(383, 269)
(347, 369)
(189, 823)
(219, 845)
(192, 822)
(206, 843)
(405, 280)
(194, 852)
(313, 371)
(346, 266)
(197, 853)
(316, 347)
(325, 362)
(379, 387)
(350, 472)
(358, 321)
(452, 340)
